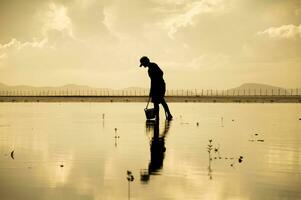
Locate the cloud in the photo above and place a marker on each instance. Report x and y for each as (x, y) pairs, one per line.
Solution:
(205, 62)
(86, 41)
(14, 50)
(131, 23)
(56, 18)
(186, 18)
(15, 44)
(282, 32)
(109, 21)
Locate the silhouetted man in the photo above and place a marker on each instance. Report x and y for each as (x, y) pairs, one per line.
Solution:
(158, 88)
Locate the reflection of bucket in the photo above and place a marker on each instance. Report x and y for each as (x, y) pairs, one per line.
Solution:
(144, 175)
(149, 113)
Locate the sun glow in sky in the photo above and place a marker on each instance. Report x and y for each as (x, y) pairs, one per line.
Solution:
(198, 43)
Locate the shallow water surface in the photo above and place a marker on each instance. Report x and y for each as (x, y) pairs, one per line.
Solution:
(83, 151)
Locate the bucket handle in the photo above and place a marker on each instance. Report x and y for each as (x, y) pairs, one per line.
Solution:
(147, 102)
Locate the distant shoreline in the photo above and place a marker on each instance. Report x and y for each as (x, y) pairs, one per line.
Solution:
(196, 99)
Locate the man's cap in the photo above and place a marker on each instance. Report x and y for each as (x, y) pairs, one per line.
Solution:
(143, 60)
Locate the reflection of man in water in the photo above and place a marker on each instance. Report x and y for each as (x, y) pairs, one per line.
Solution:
(157, 151)
(158, 87)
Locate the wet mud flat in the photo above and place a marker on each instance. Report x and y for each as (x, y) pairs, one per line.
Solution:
(109, 151)
(210, 99)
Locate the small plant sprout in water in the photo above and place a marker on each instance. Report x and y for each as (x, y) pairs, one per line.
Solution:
(222, 122)
(12, 154)
(240, 159)
(209, 149)
(62, 164)
(216, 150)
(252, 139)
(210, 145)
(116, 137)
(130, 178)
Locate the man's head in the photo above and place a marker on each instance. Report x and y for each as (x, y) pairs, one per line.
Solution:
(144, 61)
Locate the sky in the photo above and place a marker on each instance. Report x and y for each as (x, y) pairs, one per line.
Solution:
(215, 44)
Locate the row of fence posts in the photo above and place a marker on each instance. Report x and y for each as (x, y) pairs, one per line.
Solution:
(203, 92)
(247, 92)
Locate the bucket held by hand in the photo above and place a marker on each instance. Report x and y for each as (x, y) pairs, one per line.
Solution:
(149, 113)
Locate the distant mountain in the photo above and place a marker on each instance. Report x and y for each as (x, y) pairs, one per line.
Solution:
(29, 88)
(72, 87)
(16, 87)
(256, 86)
(135, 89)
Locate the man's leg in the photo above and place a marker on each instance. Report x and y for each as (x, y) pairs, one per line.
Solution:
(166, 109)
(156, 107)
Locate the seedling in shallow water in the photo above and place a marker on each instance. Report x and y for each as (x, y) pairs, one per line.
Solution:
(12, 154)
(211, 147)
(130, 176)
(256, 140)
(130, 179)
(216, 150)
(62, 164)
(116, 137)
